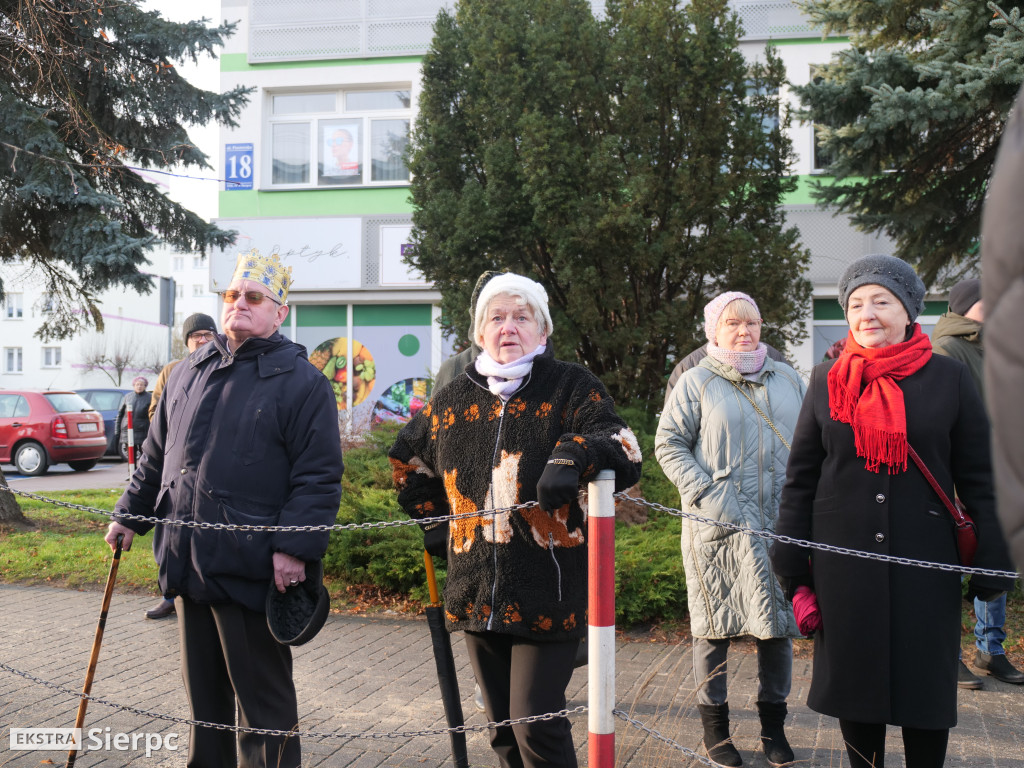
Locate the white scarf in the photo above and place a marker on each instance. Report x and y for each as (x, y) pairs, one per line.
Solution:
(505, 378)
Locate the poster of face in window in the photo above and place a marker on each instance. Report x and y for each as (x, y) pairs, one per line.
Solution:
(340, 152)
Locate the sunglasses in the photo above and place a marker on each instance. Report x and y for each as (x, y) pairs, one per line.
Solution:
(251, 297)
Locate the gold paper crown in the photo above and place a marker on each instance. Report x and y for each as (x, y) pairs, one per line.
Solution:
(265, 270)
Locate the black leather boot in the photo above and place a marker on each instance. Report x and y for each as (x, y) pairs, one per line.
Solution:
(999, 667)
(773, 737)
(715, 719)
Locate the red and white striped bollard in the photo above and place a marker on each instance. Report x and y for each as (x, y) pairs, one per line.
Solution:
(601, 620)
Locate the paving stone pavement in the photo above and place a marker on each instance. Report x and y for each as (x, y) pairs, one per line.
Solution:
(376, 674)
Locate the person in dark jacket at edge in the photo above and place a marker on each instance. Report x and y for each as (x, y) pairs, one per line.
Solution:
(958, 334)
(885, 648)
(137, 401)
(518, 427)
(245, 433)
(197, 330)
(1002, 290)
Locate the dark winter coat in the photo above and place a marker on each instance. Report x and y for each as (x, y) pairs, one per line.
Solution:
(1002, 277)
(959, 337)
(523, 572)
(250, 438)
(138, 403)
(887, 650)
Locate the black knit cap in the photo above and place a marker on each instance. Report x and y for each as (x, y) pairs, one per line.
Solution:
(197, 322)
(964, 295)
(889, 272)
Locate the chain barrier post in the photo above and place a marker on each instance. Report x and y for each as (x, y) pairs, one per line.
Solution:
(131, 445)
(601, 618)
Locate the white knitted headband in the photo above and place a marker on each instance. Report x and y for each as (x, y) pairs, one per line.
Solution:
(514, 285)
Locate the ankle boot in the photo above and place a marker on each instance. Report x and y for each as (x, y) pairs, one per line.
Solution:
(773, 737)
(715, 719)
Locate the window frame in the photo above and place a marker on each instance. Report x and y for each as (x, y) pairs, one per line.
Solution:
(53, 351)
(14, 306)
(318, 123)
(20, 354)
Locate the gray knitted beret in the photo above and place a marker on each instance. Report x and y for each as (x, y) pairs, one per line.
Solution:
(888, 272)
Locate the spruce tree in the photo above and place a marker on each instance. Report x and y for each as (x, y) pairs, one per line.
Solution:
(89, 89)
(634, 166)
(911, 115)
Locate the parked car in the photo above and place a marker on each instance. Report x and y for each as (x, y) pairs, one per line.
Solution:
(38, 429)
(107, 402)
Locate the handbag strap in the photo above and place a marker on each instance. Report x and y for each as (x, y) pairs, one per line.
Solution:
(958, 516)
(763, 415)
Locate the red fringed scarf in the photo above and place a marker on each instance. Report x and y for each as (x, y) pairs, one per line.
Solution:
(862, 392)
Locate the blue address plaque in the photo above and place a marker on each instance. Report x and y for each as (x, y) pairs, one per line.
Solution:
(238, 160)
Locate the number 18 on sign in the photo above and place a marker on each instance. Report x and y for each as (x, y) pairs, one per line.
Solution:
(238, 166)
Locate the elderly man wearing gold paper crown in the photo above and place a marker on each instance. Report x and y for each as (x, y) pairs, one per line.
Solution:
(245, 433)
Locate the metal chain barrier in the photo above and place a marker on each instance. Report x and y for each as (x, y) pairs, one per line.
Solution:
(302, 734)
(895, 559)
(263, 528)
(386, 524)
(661, 737)
(818, 545)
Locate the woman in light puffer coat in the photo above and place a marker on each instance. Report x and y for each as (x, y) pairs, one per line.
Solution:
(729, 464)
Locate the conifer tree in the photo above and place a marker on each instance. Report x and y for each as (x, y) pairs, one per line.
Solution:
(89, 89)
(911, 115)
(634, 166)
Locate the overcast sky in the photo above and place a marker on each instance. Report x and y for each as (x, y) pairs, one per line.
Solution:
(199, 196)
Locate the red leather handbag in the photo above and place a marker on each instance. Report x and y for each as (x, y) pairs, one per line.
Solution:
(963, 526)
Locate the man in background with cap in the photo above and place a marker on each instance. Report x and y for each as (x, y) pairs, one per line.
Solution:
(958, 334)
(197, 330)
(247, 434)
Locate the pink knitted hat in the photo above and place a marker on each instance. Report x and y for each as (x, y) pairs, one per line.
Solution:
(715, 307)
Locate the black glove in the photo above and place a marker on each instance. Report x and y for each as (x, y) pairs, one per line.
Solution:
(435, 538)
(559, 484)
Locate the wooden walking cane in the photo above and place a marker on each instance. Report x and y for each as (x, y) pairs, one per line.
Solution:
(94, 657)
(445, 661)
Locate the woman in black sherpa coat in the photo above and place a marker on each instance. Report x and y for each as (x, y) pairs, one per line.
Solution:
(886, 652)
(515, 427)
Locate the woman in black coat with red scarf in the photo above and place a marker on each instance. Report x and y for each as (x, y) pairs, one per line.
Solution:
(886, 650)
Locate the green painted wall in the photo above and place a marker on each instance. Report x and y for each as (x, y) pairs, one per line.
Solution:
(805, 41)
(314, 202)
(829, 309)
(391, 314)
(363, 315)
(239, 62)
(321, 317)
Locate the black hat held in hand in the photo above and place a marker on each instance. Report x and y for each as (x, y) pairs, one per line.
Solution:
(296, 615)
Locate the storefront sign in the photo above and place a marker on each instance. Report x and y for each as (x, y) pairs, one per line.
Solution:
(324, 253)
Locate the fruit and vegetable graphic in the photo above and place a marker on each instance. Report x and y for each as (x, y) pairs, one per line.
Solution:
(331, 359)
(401, 401)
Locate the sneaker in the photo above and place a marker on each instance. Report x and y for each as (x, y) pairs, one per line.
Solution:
(999, 667)
(162, 611)
(967, 679)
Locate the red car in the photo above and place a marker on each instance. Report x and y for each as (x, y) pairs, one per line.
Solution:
(38, 429)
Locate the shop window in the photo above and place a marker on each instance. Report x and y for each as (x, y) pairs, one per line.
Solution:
(339, 138)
